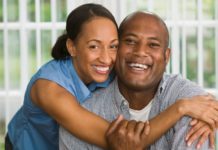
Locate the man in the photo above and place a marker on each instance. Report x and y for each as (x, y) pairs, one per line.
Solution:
(141, 90)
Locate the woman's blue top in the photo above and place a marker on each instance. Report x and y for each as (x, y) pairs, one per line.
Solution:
(33, 129)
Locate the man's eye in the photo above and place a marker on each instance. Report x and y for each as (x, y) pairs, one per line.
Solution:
(155, 45)
(130, 41)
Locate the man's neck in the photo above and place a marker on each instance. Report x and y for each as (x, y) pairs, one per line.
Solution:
(137, 99)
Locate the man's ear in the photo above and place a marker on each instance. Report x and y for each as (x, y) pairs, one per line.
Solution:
(71, 47)
(167, 55)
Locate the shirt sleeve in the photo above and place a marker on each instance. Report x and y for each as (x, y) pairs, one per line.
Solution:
(187, 89)
(180, 131)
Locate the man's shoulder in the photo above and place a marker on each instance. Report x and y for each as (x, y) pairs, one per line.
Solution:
(176, 84)
(100, 99)
(175, 78)
(175, 87)
(172, 88)
(104, 93)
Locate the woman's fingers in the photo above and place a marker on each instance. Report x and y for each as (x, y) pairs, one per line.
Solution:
(196, 135)
(193, 122)
(212, 140)
(200, 132)
(202, 139)
(194, 131)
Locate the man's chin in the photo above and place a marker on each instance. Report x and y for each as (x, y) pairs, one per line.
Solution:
(136, 86)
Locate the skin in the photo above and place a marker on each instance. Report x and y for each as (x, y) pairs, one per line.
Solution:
(141, 62)
(59, 103)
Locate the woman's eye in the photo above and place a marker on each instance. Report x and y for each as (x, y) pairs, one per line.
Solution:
(115, 46)
(93, 46)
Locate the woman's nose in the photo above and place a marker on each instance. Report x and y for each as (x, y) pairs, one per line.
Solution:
(105, 57)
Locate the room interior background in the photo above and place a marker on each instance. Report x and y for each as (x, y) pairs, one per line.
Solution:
(29, 28)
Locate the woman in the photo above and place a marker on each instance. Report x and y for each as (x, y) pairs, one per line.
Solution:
(83, 60)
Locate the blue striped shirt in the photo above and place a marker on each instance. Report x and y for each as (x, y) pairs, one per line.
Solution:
(109, 102)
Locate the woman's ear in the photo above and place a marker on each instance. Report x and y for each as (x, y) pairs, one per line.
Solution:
(71, 47)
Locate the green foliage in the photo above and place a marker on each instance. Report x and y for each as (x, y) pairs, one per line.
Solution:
(61, 10)
(13, 10)
(2, 145)
(1, 12)
(209, 57)
(46, 45)
(2, 131)
(208, 9)
(31, 10)
(45, 10)
(14, 59)
(191, 51)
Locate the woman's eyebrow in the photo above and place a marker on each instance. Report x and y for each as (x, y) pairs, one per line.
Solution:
(94, 40)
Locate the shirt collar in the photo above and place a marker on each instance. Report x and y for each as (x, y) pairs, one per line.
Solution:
(82, 92)
(162, 85)
(118, 97)
(94, 85)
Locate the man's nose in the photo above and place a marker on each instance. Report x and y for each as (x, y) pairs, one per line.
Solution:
(141, 50)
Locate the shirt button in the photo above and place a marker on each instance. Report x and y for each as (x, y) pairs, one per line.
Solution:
(125, 103)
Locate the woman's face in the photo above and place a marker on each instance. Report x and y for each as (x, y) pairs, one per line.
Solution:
(94, 51)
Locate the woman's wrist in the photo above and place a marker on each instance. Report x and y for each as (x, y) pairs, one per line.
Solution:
(182, 108)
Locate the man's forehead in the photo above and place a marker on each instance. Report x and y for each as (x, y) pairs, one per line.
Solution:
(142, 19)
(140, 27)
(153, 36)
(143, 22)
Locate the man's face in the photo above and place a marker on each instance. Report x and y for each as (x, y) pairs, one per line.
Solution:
(142, 56)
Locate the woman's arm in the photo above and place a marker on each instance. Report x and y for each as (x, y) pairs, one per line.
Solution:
(63, 107)
(200, 131)
(201, 107)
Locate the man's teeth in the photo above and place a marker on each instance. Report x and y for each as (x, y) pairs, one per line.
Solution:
(138, 66)
(102, 68)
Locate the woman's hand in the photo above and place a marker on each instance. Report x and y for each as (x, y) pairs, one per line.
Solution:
(203, 108)
(127, 135)
(200, 131)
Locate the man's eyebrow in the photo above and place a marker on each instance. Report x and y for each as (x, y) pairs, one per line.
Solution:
(130, 34)
(154, 38)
